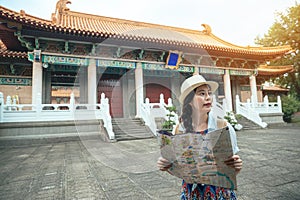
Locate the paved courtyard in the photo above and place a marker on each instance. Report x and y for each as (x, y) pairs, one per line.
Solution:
(91, 169)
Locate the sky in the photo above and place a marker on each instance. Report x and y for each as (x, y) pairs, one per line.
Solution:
(236, 21)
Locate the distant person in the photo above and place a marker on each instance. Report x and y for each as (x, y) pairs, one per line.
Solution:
(196, 100)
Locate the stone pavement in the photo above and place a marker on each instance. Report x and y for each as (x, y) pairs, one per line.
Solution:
(90, 169)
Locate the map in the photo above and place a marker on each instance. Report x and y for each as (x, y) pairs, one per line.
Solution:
(199, 158)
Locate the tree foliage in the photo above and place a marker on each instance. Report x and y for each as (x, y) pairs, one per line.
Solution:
(286, 31)
(290, 105)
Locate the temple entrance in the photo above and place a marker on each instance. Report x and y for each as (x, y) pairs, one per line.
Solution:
(153, 90)
(113, 91)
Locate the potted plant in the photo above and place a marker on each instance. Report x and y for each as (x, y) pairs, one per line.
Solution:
(168, 124)
(230, 118)
(167, 127)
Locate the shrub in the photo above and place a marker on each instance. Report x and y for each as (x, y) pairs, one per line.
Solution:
(169, 123)
(290, 105)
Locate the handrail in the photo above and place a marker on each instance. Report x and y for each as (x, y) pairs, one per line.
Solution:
(50, 112)
(149, 111)
(148, 119)
(247, 111)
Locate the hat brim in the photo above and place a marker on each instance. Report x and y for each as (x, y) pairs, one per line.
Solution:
(213, 86)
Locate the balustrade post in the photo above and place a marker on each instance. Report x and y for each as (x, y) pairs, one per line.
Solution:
(238, 104)
(253, 102)
(38, 105)
(170, 102)
(214, 102)
(72, 102)
(224, 105)
(279, 104)
(161, 99)
(8, 102)
(248, 107)
(147, 104)
(105, 104)
(1, 106)
(266, 102)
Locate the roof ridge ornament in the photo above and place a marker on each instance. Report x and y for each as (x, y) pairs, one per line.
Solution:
(61, 7)
(207, 29)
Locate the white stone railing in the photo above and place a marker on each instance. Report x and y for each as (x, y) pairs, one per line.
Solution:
(150, 111)
(267, 107)
(12, 112)
(251, 110)
(218, 110)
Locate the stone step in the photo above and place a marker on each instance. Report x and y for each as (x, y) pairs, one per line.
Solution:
(248, 124)
(31, 140)
(30, 133)
(51, 127)
(130, 129)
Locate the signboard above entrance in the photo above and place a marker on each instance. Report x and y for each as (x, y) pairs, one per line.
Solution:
(115, 63)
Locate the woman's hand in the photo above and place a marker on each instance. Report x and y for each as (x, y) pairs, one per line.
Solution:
(235, 162)
(163, 164)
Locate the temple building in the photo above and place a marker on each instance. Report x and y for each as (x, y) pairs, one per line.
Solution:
(45, 61)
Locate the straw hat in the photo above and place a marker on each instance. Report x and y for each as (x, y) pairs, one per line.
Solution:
(192, 83)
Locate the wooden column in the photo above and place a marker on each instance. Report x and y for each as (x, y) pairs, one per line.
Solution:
(37, 82)
(139, 88)
(92, 82)
(227, 90)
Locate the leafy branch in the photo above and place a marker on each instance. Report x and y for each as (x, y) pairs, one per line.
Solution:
(169, 123)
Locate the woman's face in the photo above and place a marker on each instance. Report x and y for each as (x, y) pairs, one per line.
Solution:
(202, 100)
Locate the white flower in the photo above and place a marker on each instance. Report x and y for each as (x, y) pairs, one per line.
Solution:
(238, 127)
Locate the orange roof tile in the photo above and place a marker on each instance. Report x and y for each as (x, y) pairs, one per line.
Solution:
(72, 22)
(10, 54)
(274, 88)
(265, 70)
(127, 29)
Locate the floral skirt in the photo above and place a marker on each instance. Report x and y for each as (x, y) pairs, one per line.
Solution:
(206, 192)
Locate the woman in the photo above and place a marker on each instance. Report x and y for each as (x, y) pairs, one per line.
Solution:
(196, 100)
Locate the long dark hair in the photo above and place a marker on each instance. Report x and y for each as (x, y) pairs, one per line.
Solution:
(187, 111)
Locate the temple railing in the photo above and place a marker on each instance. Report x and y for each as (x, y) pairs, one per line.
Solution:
(252, 110)
(12, 112)
(218, 110)
(151, 111)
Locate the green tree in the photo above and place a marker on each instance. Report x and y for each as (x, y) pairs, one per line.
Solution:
(286, 31)
(169, 123)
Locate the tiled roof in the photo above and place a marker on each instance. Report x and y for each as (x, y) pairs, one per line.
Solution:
(274, 88)
(126, 29)
(265, 70)
(4, 52)
(71, 22)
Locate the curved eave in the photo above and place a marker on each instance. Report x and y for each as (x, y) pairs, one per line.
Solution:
(274, 88)
(274, 70)
(13, 54)
(179, 37)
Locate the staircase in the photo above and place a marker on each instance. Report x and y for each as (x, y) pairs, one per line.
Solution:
(130, 129)
(35, 133)
(248, 124)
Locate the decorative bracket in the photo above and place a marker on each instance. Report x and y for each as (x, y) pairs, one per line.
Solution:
(141, 54)
(230, 62)
(243, 63)
(37, 44)
(215, 61)
(23, 41)
(66, 47)
(199, 60)
(161, 57)
(12, 68)
(118, 52)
